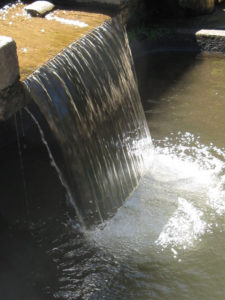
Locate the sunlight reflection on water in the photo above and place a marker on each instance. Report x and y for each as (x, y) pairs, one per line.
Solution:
(175, 204)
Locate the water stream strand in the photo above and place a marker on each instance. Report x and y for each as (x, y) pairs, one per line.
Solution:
(21, 165)
(53, 164)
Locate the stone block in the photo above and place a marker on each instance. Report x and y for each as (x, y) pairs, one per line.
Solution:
(9, 67)
(39, 8)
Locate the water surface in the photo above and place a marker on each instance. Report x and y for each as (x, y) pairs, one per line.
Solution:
(167, 241)
(169, 236)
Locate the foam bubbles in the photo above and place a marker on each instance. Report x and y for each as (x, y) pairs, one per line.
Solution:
(183, 228)
(176, 204)
(75, 23)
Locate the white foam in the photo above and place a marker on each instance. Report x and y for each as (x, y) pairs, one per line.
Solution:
(75, 23)
(183, 228)
(175, 205)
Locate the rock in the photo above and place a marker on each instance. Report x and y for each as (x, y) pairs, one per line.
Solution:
(12, 99)
(198, 6)
(39, 8)
(9, 67)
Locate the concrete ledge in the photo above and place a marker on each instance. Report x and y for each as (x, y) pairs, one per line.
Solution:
(209, 40)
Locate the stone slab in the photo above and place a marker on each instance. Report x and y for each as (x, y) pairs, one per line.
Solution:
(9, 67)
(211, 32)
(39, 8)
(203, 40)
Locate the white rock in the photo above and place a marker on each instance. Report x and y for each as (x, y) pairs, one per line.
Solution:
(39, 8)
(9, 67)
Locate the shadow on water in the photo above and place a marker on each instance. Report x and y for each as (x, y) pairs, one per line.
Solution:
(43, 253)
(154, 73)
(152, 63)
(39, 232)
(26, 271)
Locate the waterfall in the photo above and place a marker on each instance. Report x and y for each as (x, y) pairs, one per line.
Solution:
(88, 94)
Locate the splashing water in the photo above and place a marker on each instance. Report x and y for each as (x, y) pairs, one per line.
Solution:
(176, 204)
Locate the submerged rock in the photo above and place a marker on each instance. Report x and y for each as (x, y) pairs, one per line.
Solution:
(39, 8)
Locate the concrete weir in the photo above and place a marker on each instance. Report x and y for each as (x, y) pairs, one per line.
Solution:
(52, 29)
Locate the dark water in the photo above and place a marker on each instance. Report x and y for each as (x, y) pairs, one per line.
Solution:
(166, 241)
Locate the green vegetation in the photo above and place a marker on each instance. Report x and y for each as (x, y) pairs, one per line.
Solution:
(143, 32)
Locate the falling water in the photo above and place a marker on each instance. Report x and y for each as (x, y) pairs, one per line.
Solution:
(54, 165)
(21, 160)
(88, 95)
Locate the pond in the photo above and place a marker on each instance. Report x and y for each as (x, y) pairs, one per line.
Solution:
(169, 236)
(167, 241)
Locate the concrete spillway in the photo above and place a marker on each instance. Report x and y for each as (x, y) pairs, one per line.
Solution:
(35, 41)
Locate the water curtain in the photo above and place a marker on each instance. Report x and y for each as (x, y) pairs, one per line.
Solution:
(88, 94)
